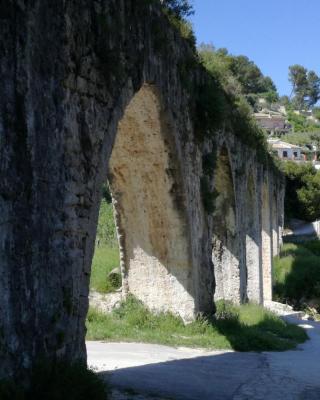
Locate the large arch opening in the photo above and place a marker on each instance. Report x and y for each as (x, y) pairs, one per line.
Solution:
(253, 258)
(146, 186)
(225, 245)
(266, 239)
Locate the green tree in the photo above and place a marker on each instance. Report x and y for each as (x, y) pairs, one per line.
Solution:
(271, 96)
(219, 62)
(305, 86)
(247, 73)
(284, 101)
(267, 85)
(181, 8)
(302, 191)
(299, 81)
(238, 74)
(303, 138)
(309, 196)
(313, 88)
(316, 112)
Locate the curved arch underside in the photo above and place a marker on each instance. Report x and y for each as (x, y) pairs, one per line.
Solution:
(154, 243)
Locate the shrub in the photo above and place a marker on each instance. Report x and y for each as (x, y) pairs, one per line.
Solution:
(302, 191)
(297, 273)
(181, 8)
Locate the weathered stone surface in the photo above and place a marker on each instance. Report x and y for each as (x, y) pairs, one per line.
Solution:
(79, 81)
(153, 229)
(245, 237)
(105, 303)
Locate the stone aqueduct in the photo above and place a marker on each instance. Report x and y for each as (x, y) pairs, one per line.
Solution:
(89, 91)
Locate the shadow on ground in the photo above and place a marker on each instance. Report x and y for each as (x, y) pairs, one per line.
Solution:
(216, 375)
(270, 334)
(189, 374)
(205, 378)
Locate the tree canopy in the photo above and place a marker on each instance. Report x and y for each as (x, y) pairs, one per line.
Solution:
(305, 86)
(181, 8)
(302, 191)
(238, 74)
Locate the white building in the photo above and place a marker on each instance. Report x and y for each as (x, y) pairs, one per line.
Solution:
(286, 151)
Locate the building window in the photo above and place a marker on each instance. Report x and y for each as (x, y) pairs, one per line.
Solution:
(295, 154)
(285, 154)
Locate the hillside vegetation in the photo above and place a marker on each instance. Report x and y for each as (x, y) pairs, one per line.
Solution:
(239, 75)
(302, 139)
(297, 276)
(302, 199)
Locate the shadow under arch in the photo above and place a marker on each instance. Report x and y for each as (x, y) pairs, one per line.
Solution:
(146, 185)
(225, 243)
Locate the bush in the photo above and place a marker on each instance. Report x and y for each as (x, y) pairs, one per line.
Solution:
(181, 8)
(57, 381)
(302, 191)
(313, 246)
(297, 273)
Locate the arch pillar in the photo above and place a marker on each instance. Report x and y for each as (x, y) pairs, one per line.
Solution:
(225, 243)
(253, 244)
(266, 238)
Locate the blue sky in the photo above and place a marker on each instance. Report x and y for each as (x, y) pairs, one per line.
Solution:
(273, 33)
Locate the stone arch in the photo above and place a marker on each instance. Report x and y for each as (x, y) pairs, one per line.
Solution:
(225, 251)
(253, 242)
(266, 238)
(147, 191)
(55, 153)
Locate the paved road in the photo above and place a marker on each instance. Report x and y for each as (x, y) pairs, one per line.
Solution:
(189, 374)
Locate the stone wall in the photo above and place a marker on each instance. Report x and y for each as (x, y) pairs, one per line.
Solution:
(251, 230)
(97, 89)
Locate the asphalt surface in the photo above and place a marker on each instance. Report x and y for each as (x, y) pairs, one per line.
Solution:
(190, 374)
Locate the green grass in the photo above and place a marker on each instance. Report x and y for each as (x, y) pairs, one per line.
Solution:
(106, 229)
(106, 255)
(105, 260)
(297, 273)
(243, 328)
